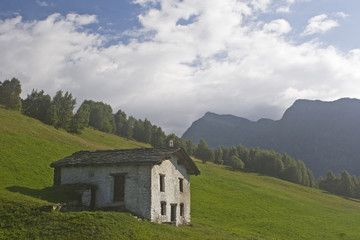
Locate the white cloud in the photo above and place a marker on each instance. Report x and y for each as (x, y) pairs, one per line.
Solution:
(320, 24)
(80, 20)
(285, 6)
(224, 60)
(260, 5)
(42, 3)
(341, 14)
(278, 26)
(283, 9)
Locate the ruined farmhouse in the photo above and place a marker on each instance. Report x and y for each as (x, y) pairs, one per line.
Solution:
(153, 183)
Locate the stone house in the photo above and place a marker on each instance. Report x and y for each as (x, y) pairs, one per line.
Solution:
(153, 183)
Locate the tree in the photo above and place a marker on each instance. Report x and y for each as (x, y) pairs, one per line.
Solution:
(268, 162)
(303, 173)
(97, 115)
(80, 119)
(157, 137)
(347, 186)
(357, 186)
(138, 130)
(244, 154)
(330, 183)
(10, 94)
(129, 127)
(120, 123)
(190, 147)
(291, 172)
(311, 178)
(63, 107)
(147, 131)
(287, 160)
(203, 152)
(51, 117)
(37, 105)
(236, 162)
(219, 155)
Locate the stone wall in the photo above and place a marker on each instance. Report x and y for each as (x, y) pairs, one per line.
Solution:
(172, 194)
(137, 197)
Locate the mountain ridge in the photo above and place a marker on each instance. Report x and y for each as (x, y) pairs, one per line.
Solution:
(325, 135)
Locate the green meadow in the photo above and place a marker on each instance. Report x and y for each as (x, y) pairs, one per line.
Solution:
(226, 204)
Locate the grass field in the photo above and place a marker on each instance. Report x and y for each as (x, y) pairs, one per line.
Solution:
(226, 204)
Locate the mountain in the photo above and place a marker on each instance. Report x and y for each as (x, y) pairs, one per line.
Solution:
(225, 204)
(325, 135)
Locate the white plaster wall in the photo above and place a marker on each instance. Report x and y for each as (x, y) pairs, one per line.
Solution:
(172, 195)
(137, 185)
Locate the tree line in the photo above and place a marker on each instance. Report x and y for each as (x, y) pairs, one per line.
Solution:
(343, 184)
(58, 111)
(280, 166)
(258, 160)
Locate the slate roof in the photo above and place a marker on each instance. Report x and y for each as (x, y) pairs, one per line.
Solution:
(126, 157)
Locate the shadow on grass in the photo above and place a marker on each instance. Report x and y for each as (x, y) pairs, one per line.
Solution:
(56, 194)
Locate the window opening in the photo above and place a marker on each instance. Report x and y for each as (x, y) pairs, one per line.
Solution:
(163, 208)
(162, 183)
(181, 209)
(181, 184)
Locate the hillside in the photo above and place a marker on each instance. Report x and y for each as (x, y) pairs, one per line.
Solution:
(325, 135)
(225, 204)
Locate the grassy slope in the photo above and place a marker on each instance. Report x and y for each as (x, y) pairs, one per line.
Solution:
(225, 204)
(27, 147)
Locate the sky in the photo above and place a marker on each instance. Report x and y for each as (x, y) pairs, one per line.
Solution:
(171, 61)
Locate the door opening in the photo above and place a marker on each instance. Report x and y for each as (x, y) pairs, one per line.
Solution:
(173, 212)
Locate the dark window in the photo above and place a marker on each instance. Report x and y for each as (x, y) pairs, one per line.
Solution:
(163, 208)
(173, 212)
(181, 209)
(181, 184)
(119, 188)
(162, 183)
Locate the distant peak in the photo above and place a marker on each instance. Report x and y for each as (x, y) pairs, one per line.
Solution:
(210, 114)
(216, 115)
(306, 108)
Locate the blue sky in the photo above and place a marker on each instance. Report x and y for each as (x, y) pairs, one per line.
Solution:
(171, 61)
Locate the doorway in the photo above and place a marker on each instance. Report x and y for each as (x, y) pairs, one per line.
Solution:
(119, 188)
